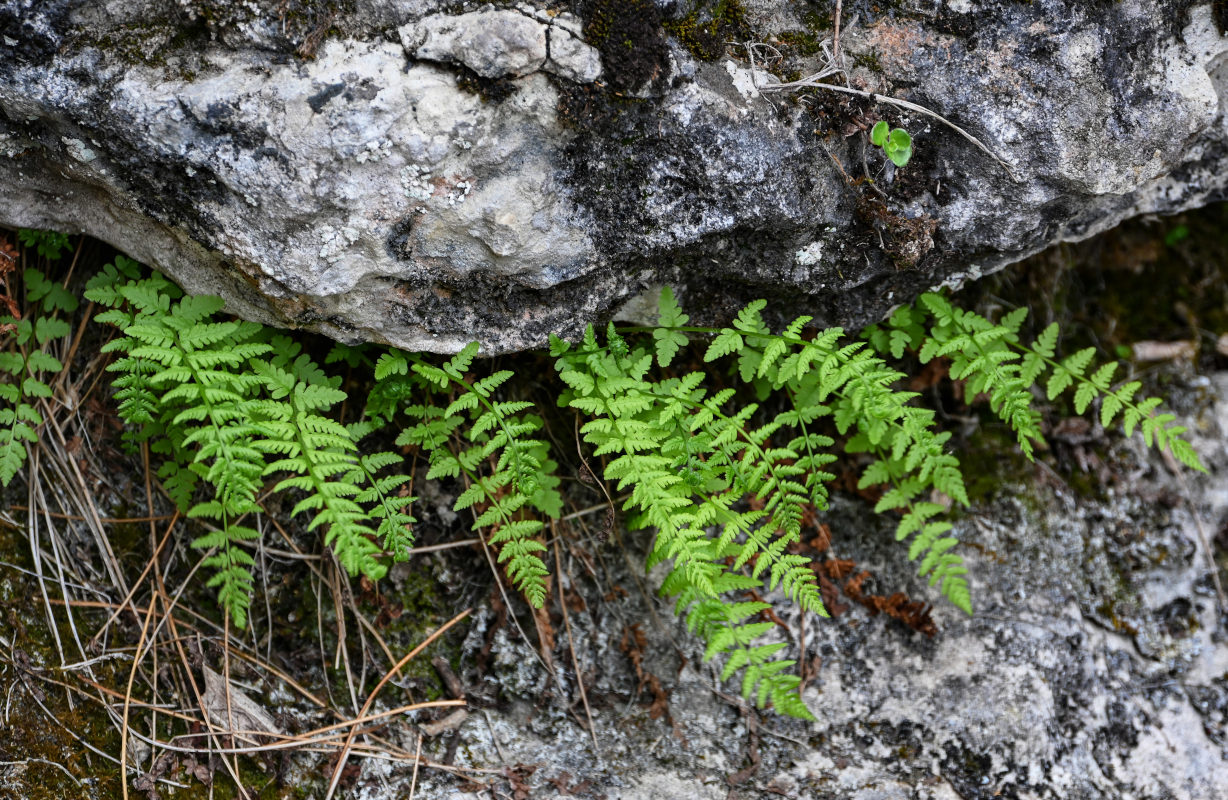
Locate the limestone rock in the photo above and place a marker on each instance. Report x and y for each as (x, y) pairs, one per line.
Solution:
(492, 43)
(570, 57)
(416, 173)
(1094, 667)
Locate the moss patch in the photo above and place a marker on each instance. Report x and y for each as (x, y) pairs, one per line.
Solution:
(704, 31)
(631, 39)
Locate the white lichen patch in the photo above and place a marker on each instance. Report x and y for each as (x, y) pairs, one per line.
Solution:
(460, 190)
(334, 242)
(78, 150)
(416, 181)
(375, 150)
(809, 255)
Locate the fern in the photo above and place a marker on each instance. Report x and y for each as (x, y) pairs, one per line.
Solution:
(183, 371)
(722, 493)
(691, 463)
(994, 359)
(232, 404)
(48, 244)
(821, 377)
(28, 360)
(505, 466)
(722, 480)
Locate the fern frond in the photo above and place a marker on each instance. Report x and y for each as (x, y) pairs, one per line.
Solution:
(506, 467)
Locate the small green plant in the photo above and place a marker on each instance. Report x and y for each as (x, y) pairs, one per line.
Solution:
(897, 144)
(232, 403)
(721, 438)
(27, 359)
(507, 469)
(48, 244)
(995, 360)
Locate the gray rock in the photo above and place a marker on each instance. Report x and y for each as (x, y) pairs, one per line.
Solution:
(318, 175)
(492, 43)
(1095, 666)
(570, 57)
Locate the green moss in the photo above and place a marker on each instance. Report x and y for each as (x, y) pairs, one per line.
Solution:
(147, 42)
(704, 32)
(420, 610)
(802, 43)
(151, 42)
(29, 734)
(631, 40)
(868, 60)
(818, 22)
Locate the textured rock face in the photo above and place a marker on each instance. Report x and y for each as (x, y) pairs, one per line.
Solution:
(1095, 666)
(426, 175)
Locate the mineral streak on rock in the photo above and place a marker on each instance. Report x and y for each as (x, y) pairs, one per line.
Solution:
(426, 174)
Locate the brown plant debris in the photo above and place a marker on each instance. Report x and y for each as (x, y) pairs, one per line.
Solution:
(633, 644)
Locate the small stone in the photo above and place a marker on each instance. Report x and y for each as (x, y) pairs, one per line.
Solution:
(492, 43)
(571, 58)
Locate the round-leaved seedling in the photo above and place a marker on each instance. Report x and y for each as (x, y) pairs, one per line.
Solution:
(897, 144)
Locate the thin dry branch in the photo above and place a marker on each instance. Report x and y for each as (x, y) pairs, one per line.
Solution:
(571, 644)
(817, 81)
(341, 759)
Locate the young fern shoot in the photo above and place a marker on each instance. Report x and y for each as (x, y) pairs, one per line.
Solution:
(506, 468)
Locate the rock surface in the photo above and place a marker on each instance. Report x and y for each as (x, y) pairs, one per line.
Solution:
(424, 174)
(1095, 667)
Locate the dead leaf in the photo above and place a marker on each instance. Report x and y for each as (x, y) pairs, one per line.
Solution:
(242, 714)
(448, 723)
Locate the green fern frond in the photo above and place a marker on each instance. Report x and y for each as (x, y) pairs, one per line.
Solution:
(992, 358)
(26, 370)
(507, 469)
(224, 397)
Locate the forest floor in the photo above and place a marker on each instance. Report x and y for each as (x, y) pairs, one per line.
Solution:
(440, 681)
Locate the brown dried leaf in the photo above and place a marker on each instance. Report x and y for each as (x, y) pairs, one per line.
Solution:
(244, 713)
(831, 597)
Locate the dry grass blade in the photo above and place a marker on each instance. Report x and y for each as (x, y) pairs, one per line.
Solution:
(326, 739)
(413, 782)
(336, 776)
(123, 743)
(119, 608)
(46, 761)
(571, 643)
